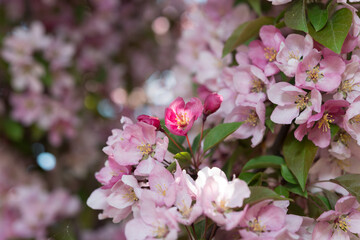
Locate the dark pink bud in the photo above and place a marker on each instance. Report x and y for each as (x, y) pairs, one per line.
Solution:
(154, 121)
(212, 103)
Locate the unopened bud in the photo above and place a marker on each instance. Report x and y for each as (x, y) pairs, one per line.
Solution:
(154, 121)
(212, 103)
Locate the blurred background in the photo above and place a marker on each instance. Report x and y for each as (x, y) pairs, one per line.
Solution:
(69, 70)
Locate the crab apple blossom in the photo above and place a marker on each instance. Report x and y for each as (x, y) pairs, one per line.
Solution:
(292, 52)
(263, 53)
(352, 120)
(153, 121)
(268, 220)
(323, 74)
(341, 223)
(293, 102)
(212, 103)
(253, 116)
(318, 126)
(180, 117)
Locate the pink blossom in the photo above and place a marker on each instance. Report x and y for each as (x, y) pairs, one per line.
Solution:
(321, 74)
(152, 222)
(341, 223)
(293, 102)
(111, 173)
(27, 76)
(268, 220)
(292, 51)
(263, 53)
(212, 103)
(352, 120)
(153, 121)
(219, 198)
(26, 108)
(253, 117)
(349, 88)
(62, 128)
(179, 117)
(318, 125)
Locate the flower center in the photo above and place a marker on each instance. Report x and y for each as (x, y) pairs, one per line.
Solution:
(161, 190)
(182, 120)
(255, 226)
(341, 223)
(221, 207)
(252, 118)
(258, 86)
(185, 210)
(130, 195)
(347, 86)
(324, 122)
(293, 55)
(314, 74)
(161, 231)
(145, 149)
(342, 137)
(355, 119)
(270, 54)
(302, 102)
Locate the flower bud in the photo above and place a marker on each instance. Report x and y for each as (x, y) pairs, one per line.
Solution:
(154, 121)
(212, 103)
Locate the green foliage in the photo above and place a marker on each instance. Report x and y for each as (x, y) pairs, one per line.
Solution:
(259, 193)
(219, 133)
(287, 175)
(264, 162)
(317, 16)
(252, 179)
(299, 157)
(228, 167)
(351, 182)
(295, 188)
(13, 130)
(184, 160)
(334, 33)
(196, 142)
(256, 6)
(245, 32)
(295, 16)
(281, 190)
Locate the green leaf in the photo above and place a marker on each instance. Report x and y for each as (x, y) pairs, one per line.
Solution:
(299, 157)
(196, 142)
(256, 5)
(259, 193)
(219, 133)
(287, 175)
(317, 16)
(264, 162)
(334, 33)
(332, 197)
(295, 188)
(200, 228)
(270, 124)
(228, 167)
(13, 130)
(351, 182)
(281, 190)
(184, 160)
(334, 129)
(295, 16)
(245, 32)
(251, 178)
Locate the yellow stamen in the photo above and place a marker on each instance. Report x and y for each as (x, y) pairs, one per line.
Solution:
(342, 137)
(324, 122)
(270, 54)
(145, 149)
(161, 231)
(342, 224)
(355, 119)
(130, 196)
(347, 86)
(182, 120)
(252, 118)
(314, 74)
(185, 211)
(161, 190)
(293, 55)
(256, 226)
(302, 102)
(258, 86)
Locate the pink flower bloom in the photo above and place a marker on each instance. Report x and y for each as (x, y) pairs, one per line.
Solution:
(179, 117)
(26, 108)
(187, 210)
(263, 53)
(318, 125)
(27, 76)
(341, 223)
(292, 51)
(349, 88)
(268, 220)
(62, 128)
(153, 121)
(212, 103)
(352, 120)
(152, 222)
(219, 198)
(293, 102)
(111, 173)
(321, 74)
(253, 117)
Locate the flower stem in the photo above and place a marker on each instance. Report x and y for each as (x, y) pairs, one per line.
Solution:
(173, 141)
(194, 232)
(206, 226)
(188, 231)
